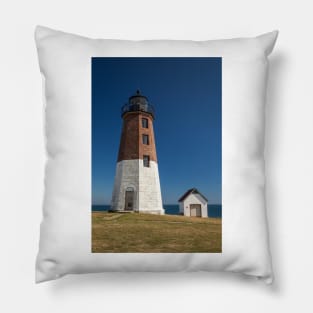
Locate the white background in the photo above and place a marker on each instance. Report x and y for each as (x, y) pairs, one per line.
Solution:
(289, 156)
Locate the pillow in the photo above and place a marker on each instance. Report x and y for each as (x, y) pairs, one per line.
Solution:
(155, 155)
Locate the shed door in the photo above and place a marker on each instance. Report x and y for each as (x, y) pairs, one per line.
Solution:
(195, 210)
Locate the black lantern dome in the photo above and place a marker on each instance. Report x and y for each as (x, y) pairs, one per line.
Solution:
(138, 103)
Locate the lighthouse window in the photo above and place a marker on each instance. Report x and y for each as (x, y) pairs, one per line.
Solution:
(146, 161)
(144, 122)
(145, 139)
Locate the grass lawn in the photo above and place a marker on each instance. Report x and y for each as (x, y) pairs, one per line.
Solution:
(137, 232)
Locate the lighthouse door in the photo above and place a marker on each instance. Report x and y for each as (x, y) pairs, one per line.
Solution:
(129, 199)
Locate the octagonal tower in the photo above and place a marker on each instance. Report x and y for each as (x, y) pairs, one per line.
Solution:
(137, 183)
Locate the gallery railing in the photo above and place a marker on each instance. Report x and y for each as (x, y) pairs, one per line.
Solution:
(137, 107)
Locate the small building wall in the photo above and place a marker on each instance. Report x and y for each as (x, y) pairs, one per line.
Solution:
(181, 207)
(184, 206)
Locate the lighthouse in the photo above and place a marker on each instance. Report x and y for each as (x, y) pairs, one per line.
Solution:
(137, 183)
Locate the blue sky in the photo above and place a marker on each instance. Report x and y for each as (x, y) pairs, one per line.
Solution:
(186, 94)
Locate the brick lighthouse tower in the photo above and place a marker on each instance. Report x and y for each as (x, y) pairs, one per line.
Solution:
(137, 183)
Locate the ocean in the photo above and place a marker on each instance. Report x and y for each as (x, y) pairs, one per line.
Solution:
(214, 210)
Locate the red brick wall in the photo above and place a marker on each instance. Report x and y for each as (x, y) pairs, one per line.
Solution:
(131, 146)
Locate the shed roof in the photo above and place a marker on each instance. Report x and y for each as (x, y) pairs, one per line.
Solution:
(190, 191)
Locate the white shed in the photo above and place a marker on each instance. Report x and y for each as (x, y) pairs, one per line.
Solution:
(193, 203)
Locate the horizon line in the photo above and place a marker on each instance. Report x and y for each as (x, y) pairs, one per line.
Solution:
(163, 204)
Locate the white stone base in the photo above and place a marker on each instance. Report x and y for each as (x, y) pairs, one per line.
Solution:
(145, 182)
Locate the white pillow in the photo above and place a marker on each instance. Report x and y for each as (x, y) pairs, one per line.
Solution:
(65, 238)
